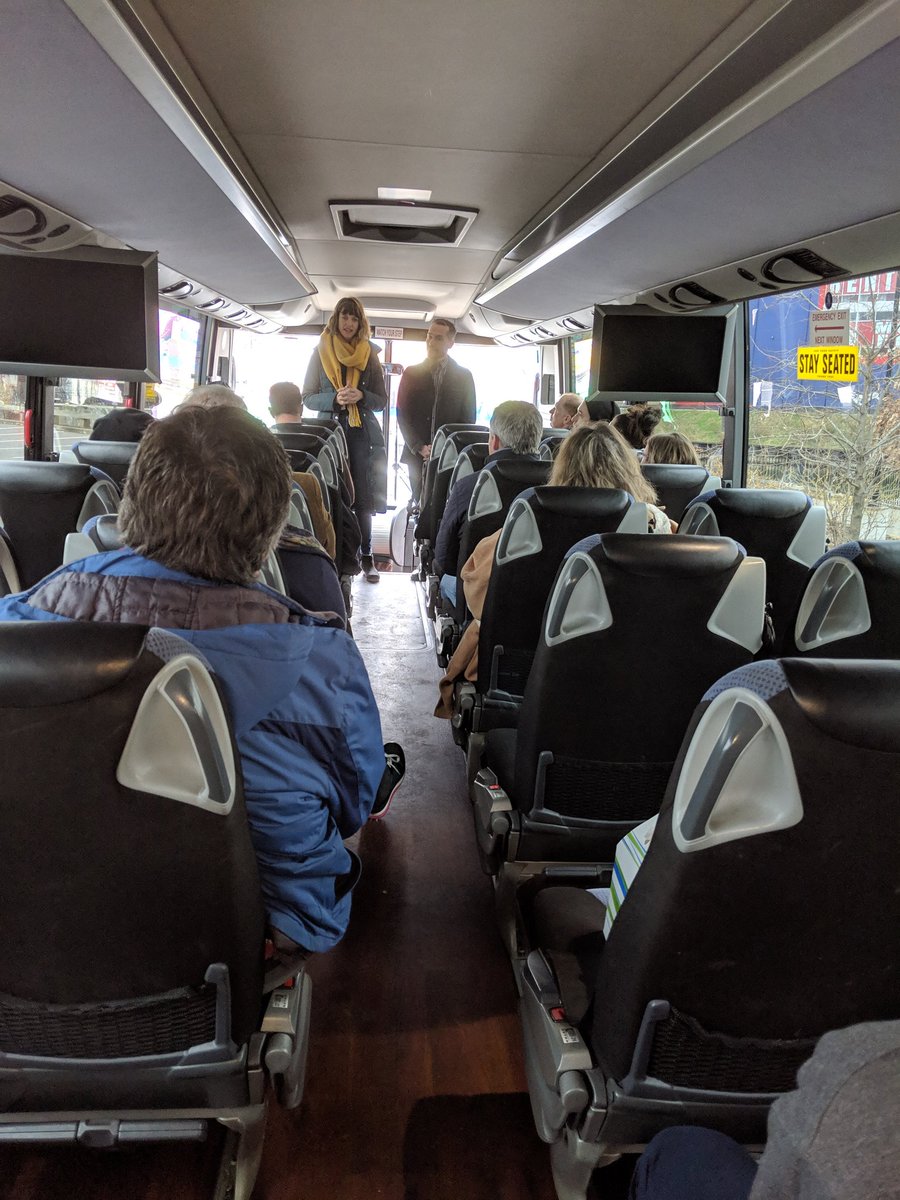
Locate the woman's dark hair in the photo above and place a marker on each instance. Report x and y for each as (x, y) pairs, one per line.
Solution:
(208, 493)
(637, 423)
(350, 304)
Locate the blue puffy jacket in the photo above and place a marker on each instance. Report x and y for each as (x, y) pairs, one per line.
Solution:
(302, 711)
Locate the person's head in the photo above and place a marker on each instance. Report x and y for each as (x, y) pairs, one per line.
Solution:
(121, 425)
(517, 426)
(671, 448)
(598, 457)
(207, 493)
(637, 423)
(285, 401)
(440, 337)
(349, 321)
(562, 414)
(212, 395)
(594, 410)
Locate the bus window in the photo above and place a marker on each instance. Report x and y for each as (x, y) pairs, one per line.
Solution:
(179, 358)
(77, 404)
(500, 372)
(263, 359)
(838, 441)
(12, 408)
(580, 364)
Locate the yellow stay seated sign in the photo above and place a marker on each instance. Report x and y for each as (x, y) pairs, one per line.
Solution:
(837, 363)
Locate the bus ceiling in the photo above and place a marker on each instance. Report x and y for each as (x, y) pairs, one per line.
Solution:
(750, 149)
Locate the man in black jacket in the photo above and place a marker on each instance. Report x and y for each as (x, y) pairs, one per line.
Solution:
(433, 393)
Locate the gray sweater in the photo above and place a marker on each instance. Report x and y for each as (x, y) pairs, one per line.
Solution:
(838, 1136)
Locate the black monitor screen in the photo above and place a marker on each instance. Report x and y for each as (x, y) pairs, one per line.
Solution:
(79, 316)
(661, 354)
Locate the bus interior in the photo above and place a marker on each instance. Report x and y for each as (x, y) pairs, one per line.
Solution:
(543, 176)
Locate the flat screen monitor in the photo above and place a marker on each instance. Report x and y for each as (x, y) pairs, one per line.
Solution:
(645, 358)
(85, 313)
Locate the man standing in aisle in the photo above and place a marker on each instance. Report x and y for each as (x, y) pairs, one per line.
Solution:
(434, 393)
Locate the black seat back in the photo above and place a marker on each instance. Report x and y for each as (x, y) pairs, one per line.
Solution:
(41, 502)
(781, 526)
(551, 443)
(636, 630)
(433, 506)
(756, 922)
(429, 472)
(676, 485)
(541, 525)
(130, 913)
(497, 486)
(113, 458)
(850, 606)
(471, 460)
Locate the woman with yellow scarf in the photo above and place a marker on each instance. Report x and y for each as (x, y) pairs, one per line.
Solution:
(345, 380)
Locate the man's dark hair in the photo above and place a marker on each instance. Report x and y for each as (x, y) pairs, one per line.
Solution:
(446, 322)
(121, 425)
(208, 493)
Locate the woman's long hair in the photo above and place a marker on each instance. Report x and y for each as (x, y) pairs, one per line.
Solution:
(597, 456)
(350, 304)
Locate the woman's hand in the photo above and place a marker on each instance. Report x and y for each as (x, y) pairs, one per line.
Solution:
(348, 395)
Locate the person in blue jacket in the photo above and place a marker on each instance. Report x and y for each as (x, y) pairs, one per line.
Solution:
(205, 500)
(345, 380)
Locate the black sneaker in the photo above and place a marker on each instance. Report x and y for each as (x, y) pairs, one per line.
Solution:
(394, 770)
(369, 570)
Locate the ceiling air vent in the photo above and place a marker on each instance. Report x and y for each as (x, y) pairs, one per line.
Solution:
(406, 222)
(800, 266)
(692, 295)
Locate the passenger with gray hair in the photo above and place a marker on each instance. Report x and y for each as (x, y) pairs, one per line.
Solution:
(515, 433)
(212, 395)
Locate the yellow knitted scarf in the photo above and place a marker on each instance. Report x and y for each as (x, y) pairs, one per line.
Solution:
(335, 353)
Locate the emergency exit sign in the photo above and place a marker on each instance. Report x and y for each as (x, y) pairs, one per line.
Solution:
(830, 327)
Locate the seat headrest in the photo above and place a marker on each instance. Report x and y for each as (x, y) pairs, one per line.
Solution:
(763, 502)
(674, 474)
(577, 501)
(48, 663)
(104, 532)
(677, 554)
(103, 453)
(852, 700)
(44, 476)
(527, 471)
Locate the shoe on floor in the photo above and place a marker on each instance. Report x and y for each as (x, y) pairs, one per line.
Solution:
(369, 569)
(394, 770)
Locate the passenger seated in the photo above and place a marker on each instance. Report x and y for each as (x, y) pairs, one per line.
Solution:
(671, 448)
(594, 410)
(212, 395)
(205, 501)
(835, 1136)
(594, 456)
(515, 433)
(562, 414)
(286, 403)
(636, 424)
(121, 425)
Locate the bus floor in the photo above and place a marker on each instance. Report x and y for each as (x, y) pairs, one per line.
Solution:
(415, 1087)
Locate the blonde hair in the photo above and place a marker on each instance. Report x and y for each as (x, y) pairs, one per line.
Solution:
(599, 457)
(671, 448)
(350, 304)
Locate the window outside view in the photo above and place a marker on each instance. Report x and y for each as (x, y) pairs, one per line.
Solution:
(12, 408)
(839, 442)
